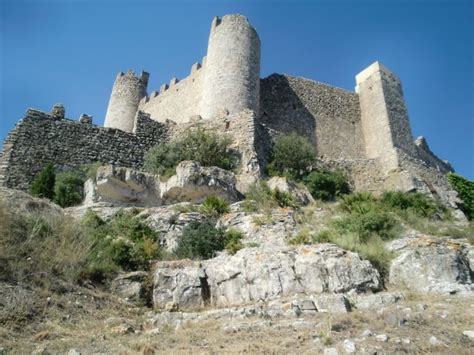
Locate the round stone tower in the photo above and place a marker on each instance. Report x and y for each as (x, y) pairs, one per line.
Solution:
(232, 67)
(127, 92)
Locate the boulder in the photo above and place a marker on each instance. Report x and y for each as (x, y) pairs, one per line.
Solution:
(255, 274)
(193, 183)
(429, 264)
(299, 193)
(123, 187)
(130, 286)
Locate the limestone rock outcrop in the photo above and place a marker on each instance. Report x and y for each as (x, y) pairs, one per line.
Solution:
(192, 183)
(254, 274)
(123, 187)
(429, 264)
(130, 286)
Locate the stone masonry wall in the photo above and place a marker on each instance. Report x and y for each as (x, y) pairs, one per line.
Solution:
(177, 101)
(328, 116)
(39, 139)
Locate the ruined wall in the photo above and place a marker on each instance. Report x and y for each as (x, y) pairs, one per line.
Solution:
(39, 139)
(177, 101)
(328, 116)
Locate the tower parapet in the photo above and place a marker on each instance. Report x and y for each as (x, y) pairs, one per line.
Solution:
(127, 92)
(232, 67)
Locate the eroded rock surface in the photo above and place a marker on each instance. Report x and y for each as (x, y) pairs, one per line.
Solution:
(254, 274)
(193, 183)
(429, 264)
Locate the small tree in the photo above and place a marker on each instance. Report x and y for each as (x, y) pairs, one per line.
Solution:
(200, 240)
(292, 156)
(43, 184)
(326, 185)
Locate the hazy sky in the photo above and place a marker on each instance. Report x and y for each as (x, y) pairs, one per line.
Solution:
(70, 52)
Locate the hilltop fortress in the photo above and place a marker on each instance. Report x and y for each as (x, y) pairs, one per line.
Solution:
(366, 132)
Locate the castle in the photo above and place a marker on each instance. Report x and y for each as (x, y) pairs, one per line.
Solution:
(366, 132)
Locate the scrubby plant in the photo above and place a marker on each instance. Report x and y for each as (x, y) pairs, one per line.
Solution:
(200, 240)
(68, 189)
(365, 225)
(214, 206)
(414, 202)
(43, 184)
(233, 241)
(41, 249)
(292, 156)
(358, 202)
(326, 185)
(123, 243)
(465, 189)
(261, 198)
(207, 148)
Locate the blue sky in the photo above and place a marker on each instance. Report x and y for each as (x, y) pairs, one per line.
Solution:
(70, 52)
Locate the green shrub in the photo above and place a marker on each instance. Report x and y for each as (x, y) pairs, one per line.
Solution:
(207, 148)
(200, 240)
(214, 206)
(233, 241)
(68, 189)
(292, 156)
(163, 159)
(358, 202)
(414, 202)
(43, 184)
(365, 225)
(123, 243)
(326, 185)
(465, 189)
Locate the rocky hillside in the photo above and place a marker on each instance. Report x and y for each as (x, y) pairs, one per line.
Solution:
(191, 265)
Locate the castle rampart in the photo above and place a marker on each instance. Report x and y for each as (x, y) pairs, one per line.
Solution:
(176, 101)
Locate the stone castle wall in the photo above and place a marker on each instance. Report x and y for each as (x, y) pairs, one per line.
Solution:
(177, 101)
(329, 117)
(39, 139)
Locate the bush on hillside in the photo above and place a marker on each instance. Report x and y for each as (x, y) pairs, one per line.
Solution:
(43, 184)
(365, 225)
(207, 148)
(123, 243)
(200, 240)
(68, 189)
(326, 185)
(465, 189)
(415, 202)
(292, 156)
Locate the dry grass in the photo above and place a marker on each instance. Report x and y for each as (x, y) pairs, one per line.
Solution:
(88, 328)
